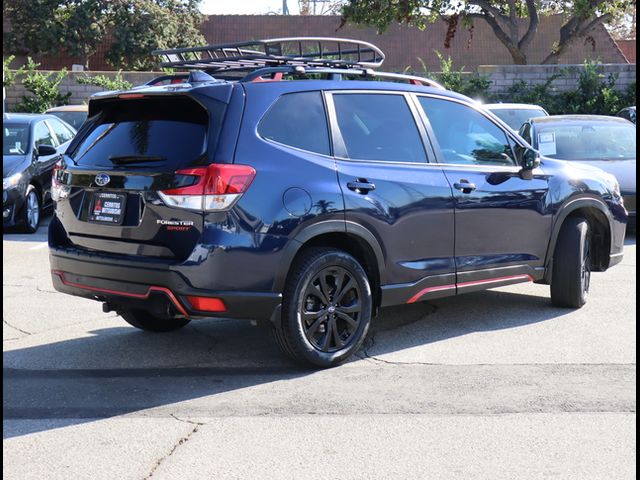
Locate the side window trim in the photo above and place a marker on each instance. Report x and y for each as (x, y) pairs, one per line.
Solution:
(513, 140)
(338, 143)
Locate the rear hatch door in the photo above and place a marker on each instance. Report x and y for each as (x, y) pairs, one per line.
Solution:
(130, 149)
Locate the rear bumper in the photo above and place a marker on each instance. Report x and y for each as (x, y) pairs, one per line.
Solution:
(153, 287)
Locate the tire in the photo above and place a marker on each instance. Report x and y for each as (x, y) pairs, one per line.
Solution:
(327, 308)
(147, 322)
(31, 211)
(571, 276)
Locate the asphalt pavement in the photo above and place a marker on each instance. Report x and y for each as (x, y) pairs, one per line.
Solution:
(488, 385)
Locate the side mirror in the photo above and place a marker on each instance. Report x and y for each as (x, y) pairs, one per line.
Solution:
(46, 150)
(530, 160)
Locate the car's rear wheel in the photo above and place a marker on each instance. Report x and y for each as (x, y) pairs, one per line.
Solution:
(31, 211)
(327, 307)
(571, 277)
(145, 321)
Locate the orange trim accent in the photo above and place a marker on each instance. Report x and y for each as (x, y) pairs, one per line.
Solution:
(143, 296)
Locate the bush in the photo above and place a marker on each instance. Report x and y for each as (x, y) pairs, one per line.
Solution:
(8, 75)
(472, 85)
(107, 83)
(594, 95)
(45, 88)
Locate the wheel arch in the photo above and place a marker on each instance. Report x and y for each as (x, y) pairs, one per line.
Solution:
(347, 236)
(597, 214)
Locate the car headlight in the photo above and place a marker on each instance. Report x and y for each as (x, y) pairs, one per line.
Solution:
(612, 183)
(12, 181)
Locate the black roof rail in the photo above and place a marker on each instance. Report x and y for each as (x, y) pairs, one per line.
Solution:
(302, 51)
(338, 73)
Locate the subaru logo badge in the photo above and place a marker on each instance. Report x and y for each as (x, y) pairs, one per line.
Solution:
(102, 179)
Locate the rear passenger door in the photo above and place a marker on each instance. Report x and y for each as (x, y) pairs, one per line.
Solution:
(392, 188)
(502, 221)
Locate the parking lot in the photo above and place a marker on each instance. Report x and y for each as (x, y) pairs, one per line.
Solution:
(493, 385)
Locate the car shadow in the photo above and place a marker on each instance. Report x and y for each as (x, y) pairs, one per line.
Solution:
(119, 370)
(41, 235)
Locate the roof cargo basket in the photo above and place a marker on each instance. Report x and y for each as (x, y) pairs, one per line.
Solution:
(294, 51)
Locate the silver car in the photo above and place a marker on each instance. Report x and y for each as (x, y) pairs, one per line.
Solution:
(608, 143)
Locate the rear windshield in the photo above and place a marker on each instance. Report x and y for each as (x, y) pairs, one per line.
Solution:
(75, 119)
(517, 116)
(163, 132)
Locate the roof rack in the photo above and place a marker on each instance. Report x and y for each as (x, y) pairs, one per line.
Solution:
(277, 73)
(337, 74)
(300, 51)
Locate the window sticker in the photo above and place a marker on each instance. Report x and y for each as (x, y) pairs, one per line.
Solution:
(547, 143)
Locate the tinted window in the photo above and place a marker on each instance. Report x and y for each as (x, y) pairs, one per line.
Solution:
(587, 141)
(517, 116)
(42, 135)
(378, 127)
(170, 131)
(298, 120)
(62, 131)
(15, 140)
(466, 136)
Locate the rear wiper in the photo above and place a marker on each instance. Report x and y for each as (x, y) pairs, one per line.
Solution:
(131, 159)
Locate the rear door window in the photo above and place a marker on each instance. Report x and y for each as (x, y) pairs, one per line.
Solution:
(378, 127)
(164, 132)
(298, 120)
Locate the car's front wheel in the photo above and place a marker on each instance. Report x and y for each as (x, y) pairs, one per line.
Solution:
(571, 277)
(145, 321)
(327, 308)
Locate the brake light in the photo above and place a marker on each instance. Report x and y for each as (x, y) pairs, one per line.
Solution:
(218, 187)
(58, 189)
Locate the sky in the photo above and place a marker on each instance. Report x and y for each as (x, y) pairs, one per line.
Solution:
(245, 7)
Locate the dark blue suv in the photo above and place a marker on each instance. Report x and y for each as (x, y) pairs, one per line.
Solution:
(308, 196)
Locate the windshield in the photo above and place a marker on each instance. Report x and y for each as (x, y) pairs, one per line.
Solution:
(75, 119)
(588, 141)
(15, 140)
(517, 116)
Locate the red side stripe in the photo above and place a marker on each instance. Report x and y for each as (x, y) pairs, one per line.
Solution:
(423, 292)
(144, 296)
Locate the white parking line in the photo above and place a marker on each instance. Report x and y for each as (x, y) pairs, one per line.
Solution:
(40, 246)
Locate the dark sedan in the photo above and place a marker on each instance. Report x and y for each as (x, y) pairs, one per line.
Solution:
(30, 148)
(608, 143)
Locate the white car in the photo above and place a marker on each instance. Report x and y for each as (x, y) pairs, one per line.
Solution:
(515, 114)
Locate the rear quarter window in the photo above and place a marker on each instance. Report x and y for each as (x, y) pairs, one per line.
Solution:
(297, 120)
(174, 130)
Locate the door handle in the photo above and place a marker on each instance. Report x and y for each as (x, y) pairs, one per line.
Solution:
(361, 185)
(465, 186)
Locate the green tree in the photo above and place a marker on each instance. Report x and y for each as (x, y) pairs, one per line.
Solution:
(9, 75)
(78, 27)
(141, 26)
(513, 22)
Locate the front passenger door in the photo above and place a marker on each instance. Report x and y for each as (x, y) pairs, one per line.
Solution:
(502, 221)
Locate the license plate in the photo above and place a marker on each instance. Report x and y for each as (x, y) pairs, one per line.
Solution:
(107, 207)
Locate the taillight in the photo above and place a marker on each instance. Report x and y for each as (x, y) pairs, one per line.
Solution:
(218, 187)
(58, 189)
